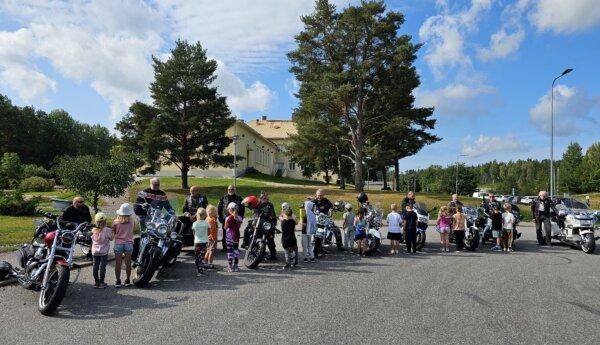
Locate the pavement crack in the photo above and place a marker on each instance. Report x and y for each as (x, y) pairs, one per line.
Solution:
(477, 299)
(585, 307)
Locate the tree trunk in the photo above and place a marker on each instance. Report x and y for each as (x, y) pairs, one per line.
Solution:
(327, 178)
(358, 166)
(341, 177)
(95, 198)
(396, 175)
(184, 175)
(385, 182)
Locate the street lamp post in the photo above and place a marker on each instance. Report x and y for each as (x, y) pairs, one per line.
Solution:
(456, 172)
(552, 187)
(235, 139)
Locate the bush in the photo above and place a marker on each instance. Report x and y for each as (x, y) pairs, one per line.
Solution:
(37, 184)
(31, 170)
(13, 204)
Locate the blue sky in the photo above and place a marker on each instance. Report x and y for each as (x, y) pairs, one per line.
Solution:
(486, 65)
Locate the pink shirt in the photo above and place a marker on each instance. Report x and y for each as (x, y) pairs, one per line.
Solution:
(101, 241)
(124, 232)
(444, 222)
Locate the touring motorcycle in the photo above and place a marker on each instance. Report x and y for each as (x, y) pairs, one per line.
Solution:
(472, 229)
(158, 246)
(422, 223)
(45, 265)
(574, 225)
(262, 228)
(373, 218)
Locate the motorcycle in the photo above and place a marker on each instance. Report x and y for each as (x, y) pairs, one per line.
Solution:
(262, 229)
(373, 218)
(472, 230)
(422, 223)
(486, 229)
(574, 227)
(46, 263)
(158, 246)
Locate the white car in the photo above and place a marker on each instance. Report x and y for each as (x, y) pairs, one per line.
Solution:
(479, 195)
(501, 198)
(527, 200)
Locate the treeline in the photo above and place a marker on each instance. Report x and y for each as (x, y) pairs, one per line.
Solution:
(39, 138)
(576, 173)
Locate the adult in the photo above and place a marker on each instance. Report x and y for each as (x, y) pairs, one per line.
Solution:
(491, 204)
(454, 203)
(222, 209)
(78, 213)
(266, 208)
(309, 229)
(408, 200)
(192, 203)
(323, 205)
(155, 198)
(542, 209)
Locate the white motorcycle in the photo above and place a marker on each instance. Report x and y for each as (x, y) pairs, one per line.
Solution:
(373, 219)
(574, 225)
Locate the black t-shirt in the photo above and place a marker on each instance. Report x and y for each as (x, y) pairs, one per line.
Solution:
(288, 234)
(323, 205)
(496, 221)
(77, 215)
(411, 219)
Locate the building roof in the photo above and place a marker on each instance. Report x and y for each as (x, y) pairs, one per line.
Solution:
(273, 129)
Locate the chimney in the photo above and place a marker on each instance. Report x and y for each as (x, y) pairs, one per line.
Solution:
(264, 117)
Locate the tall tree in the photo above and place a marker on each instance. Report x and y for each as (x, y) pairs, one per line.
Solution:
(347, 62)
(570, 169)
(189, 117)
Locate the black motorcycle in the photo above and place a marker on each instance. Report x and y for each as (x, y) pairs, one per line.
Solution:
(45, 264)
(472, 232)
(158, 247)
(262, 229)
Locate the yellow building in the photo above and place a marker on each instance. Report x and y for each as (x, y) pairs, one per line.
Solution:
(260, 145)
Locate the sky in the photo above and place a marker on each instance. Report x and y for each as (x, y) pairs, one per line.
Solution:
(485, 65)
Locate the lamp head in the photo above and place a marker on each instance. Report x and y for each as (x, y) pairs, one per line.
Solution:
(568, 70)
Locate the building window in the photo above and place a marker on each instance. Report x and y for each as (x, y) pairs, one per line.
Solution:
(280, 148)
(292, 165)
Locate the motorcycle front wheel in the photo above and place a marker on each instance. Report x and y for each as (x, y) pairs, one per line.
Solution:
(374, 244)
(254, 254)
(145, 271)
(421, 237)
(50, 298)
(588, 244)
(472, 242)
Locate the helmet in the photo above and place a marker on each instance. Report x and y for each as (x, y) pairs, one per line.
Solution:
(5, 270)
(250, 201)
(348, 206)
(362, 197)
(285, 206)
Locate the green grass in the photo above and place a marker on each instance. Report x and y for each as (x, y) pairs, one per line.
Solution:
(15, 231)
(259, 177)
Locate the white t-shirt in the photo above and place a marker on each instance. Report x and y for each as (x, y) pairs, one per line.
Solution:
(394, 219)
(508, 219)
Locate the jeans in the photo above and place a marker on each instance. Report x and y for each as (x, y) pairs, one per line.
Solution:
(349, 238)
(99, 269)
(411, 240)
(307, 248)
(291, 256)
(543, 238)
(459, 239)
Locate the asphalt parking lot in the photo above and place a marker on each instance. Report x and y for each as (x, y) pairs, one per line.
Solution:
(535, 295)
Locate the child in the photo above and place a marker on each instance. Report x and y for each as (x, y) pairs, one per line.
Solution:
(410, 229)
(444, 222)
(458, 228)
(360, 229)
(394, 219)
(288, 238)
(348, 226)
(101, 237)
(508, 224)
(232, 237)
(200, 229)
(212, 236)
(309, 228)
(496, 218)
(123, 233)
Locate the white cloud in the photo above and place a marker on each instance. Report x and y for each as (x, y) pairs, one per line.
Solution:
(492, 145)
(458, 99)
(502, 44)
(444, 35)
(292, 86)
(572, 111)
(239, 97)
(565, 17)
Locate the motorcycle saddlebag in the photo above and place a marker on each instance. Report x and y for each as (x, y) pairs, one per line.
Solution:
(23, 254)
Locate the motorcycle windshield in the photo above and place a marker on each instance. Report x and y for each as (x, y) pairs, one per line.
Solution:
(421, 209)
(574, 204)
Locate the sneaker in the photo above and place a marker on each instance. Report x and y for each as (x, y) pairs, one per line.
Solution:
(118, 284)
(228, 269)
(96, 286)
(102, 286)
(312, 259)
(459, 251)
(510, 249)
(236, 269)
(200, 273)
(287, 266)
(210, 267)
(305, 259)
(496, 249)
(127, 283)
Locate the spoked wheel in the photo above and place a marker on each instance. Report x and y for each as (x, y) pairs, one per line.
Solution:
(145, 271)
(421, 237)
(50, 298)
(588, 243)
(255, 254)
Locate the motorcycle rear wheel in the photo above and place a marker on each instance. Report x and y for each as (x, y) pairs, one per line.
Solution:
(589, 244)
(254, 254)
(50, 298)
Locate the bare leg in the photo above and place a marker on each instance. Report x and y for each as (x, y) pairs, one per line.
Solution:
(118, 259)
(128, 265)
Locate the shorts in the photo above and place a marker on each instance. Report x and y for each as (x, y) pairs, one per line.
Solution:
(394, 236)
(444, 230)
(359, 235)
(497, 233)
(123, 248)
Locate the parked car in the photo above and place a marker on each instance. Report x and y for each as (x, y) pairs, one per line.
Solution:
(527, 200)
(501, 198)
(479, 195)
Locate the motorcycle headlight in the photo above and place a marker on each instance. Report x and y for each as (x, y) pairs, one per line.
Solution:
(162, 230)
(67, 238)
(173, 235)
(423, 219)
(267, 226)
